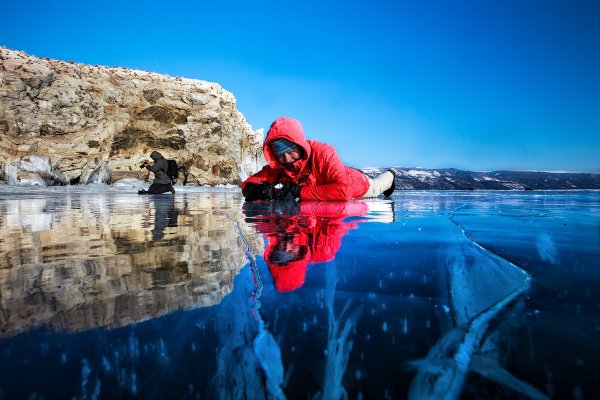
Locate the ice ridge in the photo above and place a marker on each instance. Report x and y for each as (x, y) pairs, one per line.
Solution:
(443, 372)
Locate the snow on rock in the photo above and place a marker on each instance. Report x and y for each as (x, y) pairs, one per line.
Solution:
(33, 170)
(419, 173)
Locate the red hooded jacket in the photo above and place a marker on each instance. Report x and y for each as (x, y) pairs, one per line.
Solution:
(320, 173)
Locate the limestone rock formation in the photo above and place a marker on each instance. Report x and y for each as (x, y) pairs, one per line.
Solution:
(62, 123)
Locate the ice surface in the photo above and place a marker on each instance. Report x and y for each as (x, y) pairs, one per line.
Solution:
(128, 185)
(427, 295)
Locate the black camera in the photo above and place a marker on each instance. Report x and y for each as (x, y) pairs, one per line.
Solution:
(258, 191)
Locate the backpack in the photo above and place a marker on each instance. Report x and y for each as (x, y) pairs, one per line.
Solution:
(172, 169)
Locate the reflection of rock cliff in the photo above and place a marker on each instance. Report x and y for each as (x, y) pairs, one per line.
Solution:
(90, 260)
(97, 123)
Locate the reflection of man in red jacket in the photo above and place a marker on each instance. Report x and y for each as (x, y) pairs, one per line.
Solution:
(309, 169)
(313, 233)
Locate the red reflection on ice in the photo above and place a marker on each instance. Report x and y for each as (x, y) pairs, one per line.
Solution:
(301, 233)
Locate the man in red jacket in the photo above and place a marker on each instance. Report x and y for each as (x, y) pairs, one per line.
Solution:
(308, 170)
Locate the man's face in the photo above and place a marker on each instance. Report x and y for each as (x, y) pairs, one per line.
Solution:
(288, 158)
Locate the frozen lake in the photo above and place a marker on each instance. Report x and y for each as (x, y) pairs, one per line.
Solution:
(107, 294)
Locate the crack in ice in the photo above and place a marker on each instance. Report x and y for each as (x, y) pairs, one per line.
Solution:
(265, 347)
(442, 373)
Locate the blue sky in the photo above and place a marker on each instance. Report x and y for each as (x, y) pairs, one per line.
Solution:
(478, 85)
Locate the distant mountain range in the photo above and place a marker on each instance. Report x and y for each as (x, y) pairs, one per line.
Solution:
(455, 179)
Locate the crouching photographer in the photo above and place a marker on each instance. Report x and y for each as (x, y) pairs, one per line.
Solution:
(162, 182)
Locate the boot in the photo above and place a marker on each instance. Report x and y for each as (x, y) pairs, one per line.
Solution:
(389, 191)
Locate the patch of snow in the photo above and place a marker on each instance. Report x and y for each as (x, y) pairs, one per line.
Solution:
(36, 163)
(129, 183)
(418, 173)
(98, 175)
(33, 170)
(372, 170)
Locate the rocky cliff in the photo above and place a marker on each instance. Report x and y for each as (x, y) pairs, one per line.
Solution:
(62, 123)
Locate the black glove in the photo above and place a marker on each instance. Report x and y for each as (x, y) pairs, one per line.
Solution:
(289, 191)
(258, 191)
